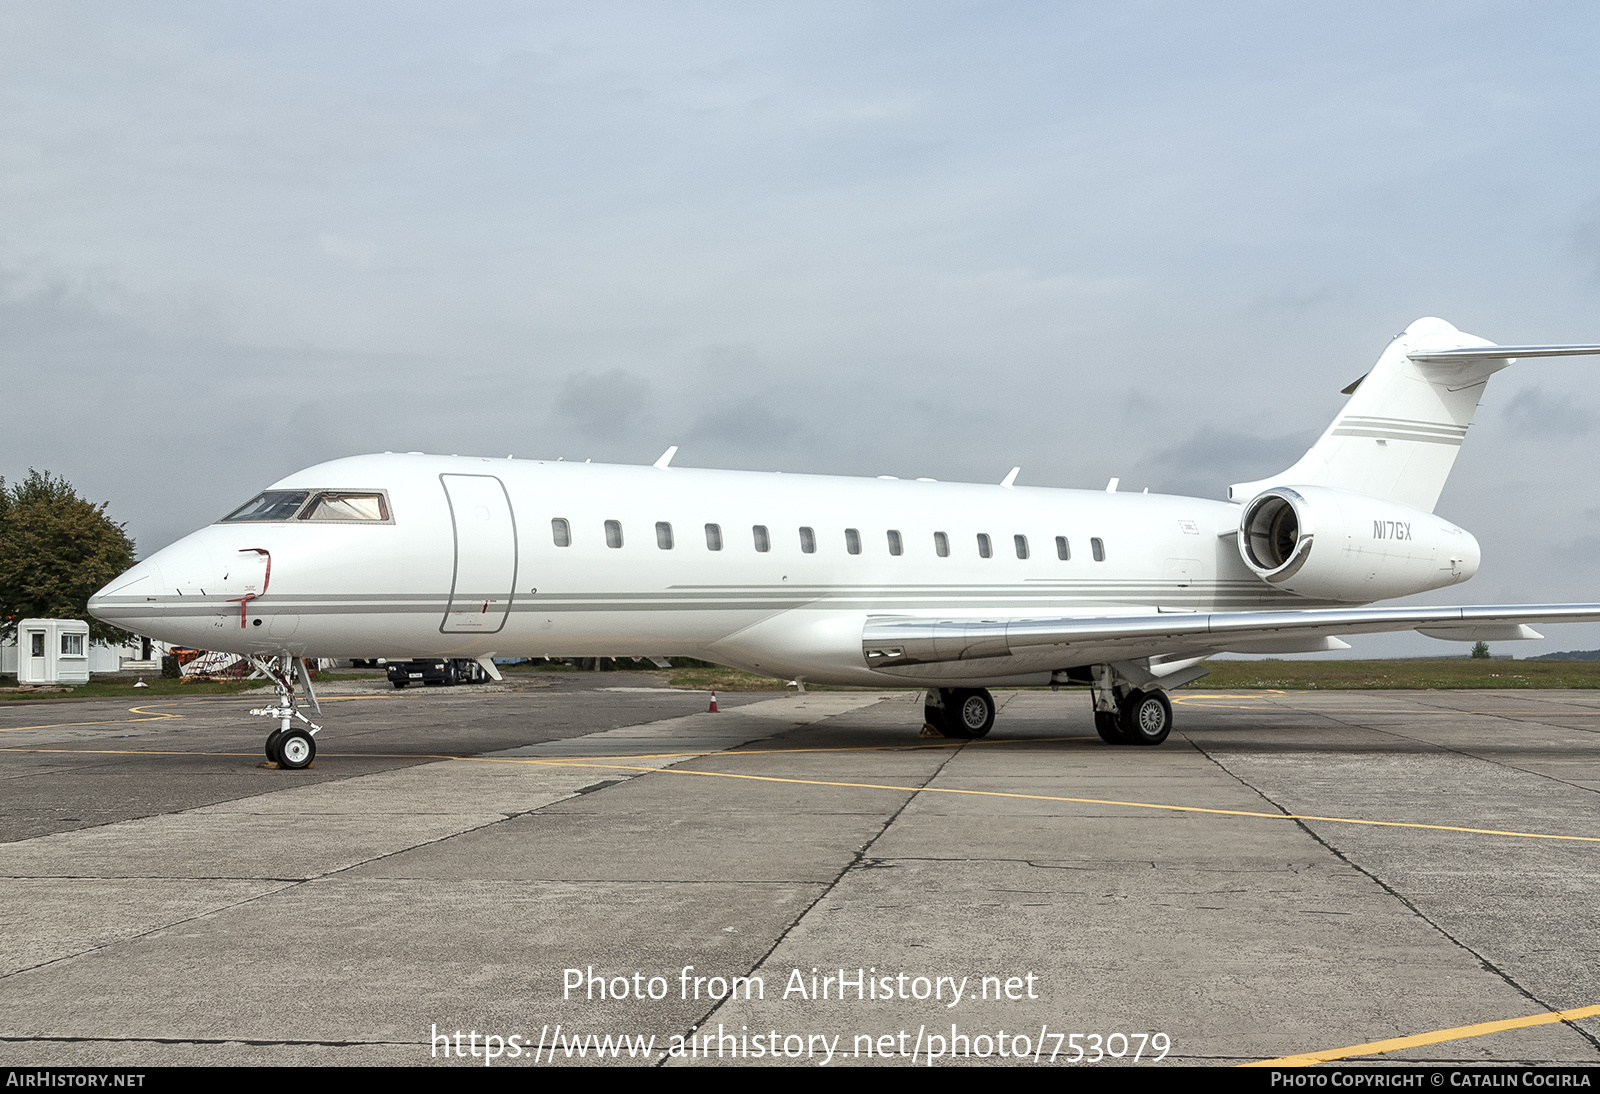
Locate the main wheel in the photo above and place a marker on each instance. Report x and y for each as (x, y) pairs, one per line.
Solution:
(273, 740)
(1109, 726)
(296, 749)
(1146, 717)
(973, 712)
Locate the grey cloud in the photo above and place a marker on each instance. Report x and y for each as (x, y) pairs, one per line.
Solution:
(757, 424)
(604, 405)
(1586, 236)
(1209, 460)
(1533, 412)
(921, 244)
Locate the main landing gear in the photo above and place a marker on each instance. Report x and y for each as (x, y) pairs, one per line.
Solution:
(1126, 715)
(1123, 714)
(962, 713)
(288, 745)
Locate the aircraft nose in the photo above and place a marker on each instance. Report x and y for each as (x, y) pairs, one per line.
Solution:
(111, 603)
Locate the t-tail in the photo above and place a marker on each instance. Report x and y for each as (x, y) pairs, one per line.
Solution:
(1398, 436)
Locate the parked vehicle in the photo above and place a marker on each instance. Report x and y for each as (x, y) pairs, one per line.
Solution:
(436, 672)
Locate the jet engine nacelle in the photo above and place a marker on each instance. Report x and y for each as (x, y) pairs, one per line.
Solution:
(1329, 544)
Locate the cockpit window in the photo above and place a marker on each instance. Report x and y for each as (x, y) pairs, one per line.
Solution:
(272, 505)
(326, 506)
(341, 506)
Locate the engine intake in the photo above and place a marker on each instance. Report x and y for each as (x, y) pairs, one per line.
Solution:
(1275, 538)
(1329, 544)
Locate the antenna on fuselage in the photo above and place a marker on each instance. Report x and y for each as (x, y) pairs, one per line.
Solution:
(1011, 477)
(666, 457)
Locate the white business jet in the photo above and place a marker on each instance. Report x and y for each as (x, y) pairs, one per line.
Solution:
(951, 587)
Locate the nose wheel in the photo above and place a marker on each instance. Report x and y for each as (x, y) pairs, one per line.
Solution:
(296, 749)
(288, 745)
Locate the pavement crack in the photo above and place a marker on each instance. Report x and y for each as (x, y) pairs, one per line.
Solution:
(1464, 753)
(860, 860)
(124, 939)
(1484, 962)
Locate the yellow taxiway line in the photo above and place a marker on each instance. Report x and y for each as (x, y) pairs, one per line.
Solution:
(1307, 1059)
(610, 763)
(156, 715)
(574, 762)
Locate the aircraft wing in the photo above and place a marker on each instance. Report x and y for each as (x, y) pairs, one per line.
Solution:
(888, 642)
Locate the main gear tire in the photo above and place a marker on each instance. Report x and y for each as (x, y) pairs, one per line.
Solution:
(1146, 717)
(1109, 726)
(972, 712)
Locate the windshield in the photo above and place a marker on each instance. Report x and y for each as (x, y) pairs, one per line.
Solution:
(332, 506)
(271, 505)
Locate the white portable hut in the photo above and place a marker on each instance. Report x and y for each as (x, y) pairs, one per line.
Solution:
(52, 651)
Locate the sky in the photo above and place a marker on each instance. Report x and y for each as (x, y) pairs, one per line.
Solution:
(1144, 240)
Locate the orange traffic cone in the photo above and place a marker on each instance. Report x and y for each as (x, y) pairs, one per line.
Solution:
(713, 709)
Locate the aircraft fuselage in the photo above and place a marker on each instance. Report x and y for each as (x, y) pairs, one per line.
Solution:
(469, 561)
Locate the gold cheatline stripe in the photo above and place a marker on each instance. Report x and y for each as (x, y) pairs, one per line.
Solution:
(1307, 1059)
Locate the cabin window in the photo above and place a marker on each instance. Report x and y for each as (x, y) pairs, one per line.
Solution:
(1097, 548)
(852, 541)
(763, 540)
(941, 544)
(272, 505)
(340, 506)
(713, 537)
(985, 548)
(1022, 545)
(1063, 549)
(561, 531)
(663, 535)
(613, 533)
(808, 541)
(895, 545)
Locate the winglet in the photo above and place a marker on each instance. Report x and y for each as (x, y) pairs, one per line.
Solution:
(1011, 477)
(666, 457)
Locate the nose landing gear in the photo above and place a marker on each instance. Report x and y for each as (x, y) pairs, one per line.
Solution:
(288, 745)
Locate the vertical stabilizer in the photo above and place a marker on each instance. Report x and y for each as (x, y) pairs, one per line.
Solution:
(1399, 434)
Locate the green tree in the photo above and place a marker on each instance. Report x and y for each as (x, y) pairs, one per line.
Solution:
(56, 550)
(1481, 650)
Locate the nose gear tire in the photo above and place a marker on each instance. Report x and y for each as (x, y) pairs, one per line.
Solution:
(296, 749)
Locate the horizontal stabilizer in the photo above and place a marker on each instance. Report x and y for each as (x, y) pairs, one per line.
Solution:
(1498, 353)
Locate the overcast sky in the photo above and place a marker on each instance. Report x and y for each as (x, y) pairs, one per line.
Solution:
(1143, 240)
